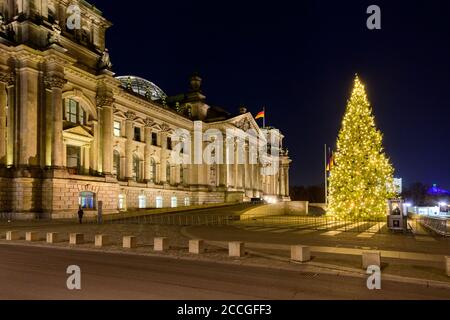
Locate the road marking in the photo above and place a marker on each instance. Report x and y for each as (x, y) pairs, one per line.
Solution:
(281, 231)
(369, 233)
(331, 233)
(304, 231)
(424, 238)
(343, 229)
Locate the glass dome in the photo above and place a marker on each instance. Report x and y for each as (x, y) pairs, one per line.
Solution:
(142, 87)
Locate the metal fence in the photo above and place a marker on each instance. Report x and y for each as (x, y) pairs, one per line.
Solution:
(439, 225)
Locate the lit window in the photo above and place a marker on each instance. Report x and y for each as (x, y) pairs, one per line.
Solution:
(159, 202)
(87, 200)
(121, 202)
(174, 202)
(187, 202)
(142, 202)
(117, 128)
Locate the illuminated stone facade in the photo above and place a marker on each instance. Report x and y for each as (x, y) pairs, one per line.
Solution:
(71, 131)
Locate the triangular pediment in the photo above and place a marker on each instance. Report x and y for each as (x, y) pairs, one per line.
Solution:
(79, 131)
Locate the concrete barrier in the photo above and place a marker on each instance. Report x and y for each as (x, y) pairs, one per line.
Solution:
(76, 238)
(101, 240)
(447, 265)
(129, 242)
(300, 253)
(160, 244)
(12, 235)
(371, 258)
(236, 249)
(196, 246)
(53, 237)
(32, 236)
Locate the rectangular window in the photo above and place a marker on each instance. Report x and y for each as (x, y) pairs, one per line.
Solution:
(142, 202)
(137, 134)
(117, 128)
(187, 202)
(169, 143)
(174, 202)
(71, 110)
(154, 139)
(159, 202)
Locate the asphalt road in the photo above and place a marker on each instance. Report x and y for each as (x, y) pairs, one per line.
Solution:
(40, 273)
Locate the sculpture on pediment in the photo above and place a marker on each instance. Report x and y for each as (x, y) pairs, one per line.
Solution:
(244, 124)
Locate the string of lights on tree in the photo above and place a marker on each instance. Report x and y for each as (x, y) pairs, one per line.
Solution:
(361, 181)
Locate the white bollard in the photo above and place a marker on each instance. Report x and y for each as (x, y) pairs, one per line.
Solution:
(447, 265)
(160, 244)
(32, 236)
(236, 249)
(101, 240)
(129, 242)
(52, 237)
(300, 253)
(196, 246)
(12, 235)
(76, 238)
(371, 258)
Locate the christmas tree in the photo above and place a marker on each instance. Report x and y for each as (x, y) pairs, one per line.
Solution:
(361, 180)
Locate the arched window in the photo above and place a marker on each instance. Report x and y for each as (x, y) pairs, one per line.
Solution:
(116, 164)
(168, 170)
(87, 200)
(152, 170)
(74, 113)
(136, 168)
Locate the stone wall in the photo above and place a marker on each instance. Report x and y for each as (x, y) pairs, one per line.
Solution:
(278, 209)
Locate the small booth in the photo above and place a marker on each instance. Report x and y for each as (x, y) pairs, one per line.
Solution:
(397, 219)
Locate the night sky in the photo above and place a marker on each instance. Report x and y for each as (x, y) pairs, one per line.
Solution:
(298, 59)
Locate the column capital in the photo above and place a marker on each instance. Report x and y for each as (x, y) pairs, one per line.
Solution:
(130, 115)
(149, 122)
(104, 101)
(7, 78)
(54, 81)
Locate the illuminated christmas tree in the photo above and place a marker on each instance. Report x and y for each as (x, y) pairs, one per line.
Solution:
(361, 180)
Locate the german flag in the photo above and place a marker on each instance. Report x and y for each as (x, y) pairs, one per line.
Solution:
(260, 115)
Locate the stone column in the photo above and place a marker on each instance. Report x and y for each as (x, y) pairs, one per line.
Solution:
(163, 157)
(147, 152)
(286, 177)
(86, 164)
(54, 84)
(129, 145)
(105, 103)
(282, 180)
(95, 146)
(3, 115)
(236, 170)
(28, 114)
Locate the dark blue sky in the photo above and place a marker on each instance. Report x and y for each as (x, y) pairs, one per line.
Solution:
(298, 58)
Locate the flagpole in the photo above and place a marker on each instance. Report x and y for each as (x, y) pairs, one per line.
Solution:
(264, 118)
(326, 176)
